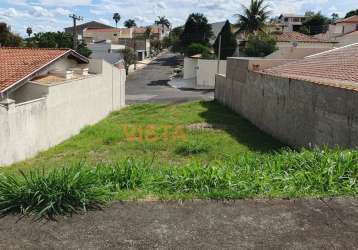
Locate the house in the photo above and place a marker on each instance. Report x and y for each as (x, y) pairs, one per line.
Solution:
(216, 29)
(291, 22)
(48, 95)
(122, 37)
(342, 32)
(88, 25)
(295, 45)
(302, 103)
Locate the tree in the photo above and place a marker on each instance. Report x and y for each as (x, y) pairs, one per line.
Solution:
(163, 21)
(196, 30)
(334, 16)
(130, 23)
(175, 35)
(197, 48)
(260, 45)
(352, 13)
(253, 18)
(83, 50)
(129, 58)
(29, 31)
(315, 24)
(116, 18)
(147, 32)
(228, 42)
(7, 38)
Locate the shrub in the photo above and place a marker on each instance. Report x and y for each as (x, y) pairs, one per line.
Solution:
(260, 45)
(59, 192)
(197, 48)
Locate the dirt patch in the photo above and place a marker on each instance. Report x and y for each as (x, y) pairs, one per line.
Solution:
(204, 126)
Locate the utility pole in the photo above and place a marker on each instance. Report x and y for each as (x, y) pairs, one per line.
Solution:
(75, 19)
(219, 55)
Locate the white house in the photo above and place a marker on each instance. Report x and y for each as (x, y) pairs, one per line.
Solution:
(48, 95)
(291, 22)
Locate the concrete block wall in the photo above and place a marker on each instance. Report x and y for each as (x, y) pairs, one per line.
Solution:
(298, 113)
(30, 127)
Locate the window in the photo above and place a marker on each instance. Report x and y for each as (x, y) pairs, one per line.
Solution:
(296, 19)
(286, 19)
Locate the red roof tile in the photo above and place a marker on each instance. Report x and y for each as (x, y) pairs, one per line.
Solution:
(337, 67)
(18, 63)
(296, 37)
(352, 19)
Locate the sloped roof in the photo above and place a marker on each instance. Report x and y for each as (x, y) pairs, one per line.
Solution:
(352, 19)
(297, 37)
(20, 64)
(216, 29)
(337, 67)
(92, 24)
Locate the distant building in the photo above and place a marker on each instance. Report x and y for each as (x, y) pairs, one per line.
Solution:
(291, 22)
(89, 25)
(119, 38)
(344, 31)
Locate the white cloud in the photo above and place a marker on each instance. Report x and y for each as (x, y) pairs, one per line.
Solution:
(39, 11)
(62, 11)
(65, 2)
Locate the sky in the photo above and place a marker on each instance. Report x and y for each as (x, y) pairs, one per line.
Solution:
(52, 15)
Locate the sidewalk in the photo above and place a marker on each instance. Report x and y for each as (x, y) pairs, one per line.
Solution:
(241, 224)
(144, 63)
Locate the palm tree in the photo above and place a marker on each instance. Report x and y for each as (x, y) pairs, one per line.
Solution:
(29, 31)
(130, 23)
(253, 18)
(116, 18)
(163, 21)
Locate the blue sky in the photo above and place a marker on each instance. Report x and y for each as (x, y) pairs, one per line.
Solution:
(52, 15)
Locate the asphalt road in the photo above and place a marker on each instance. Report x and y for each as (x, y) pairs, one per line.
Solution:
(150, 84)
(242, 224)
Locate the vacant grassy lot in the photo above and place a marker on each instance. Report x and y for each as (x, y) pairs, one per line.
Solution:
(160, 136)
(192, 150)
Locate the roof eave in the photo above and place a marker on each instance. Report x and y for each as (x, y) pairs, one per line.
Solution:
(32, 74)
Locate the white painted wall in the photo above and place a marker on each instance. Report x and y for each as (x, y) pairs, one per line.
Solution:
(203, 71)
(30, 127)
(206, 71)
(190, 65)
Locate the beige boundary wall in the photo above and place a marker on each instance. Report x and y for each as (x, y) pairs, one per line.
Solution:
(203, 71)
(30, 127)
(298, 113)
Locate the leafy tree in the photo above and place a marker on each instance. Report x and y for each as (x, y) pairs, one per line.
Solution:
(163, 21)
(334, 17)
(315, 24)
(260, 45)
(7, 38)
(56, 40)
(116, 18)
(175, 35)
(197, 48)
(228, 42)
(130, 23)
(156, 45)
(167, 42)
(196, 30)
(253, 18)
(83, 50)
(352, 13)
(147, 32)
(129, 58)
(29, 31)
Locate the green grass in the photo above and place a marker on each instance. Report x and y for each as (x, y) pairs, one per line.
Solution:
(109, 162)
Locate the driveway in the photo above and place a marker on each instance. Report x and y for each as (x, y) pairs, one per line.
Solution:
(242, 224)
(150, 84)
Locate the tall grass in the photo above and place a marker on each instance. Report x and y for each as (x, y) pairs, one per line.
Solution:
(59, 192)
(317, 173)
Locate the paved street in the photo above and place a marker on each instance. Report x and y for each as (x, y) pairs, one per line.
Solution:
(150, 84)
(242, 224)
